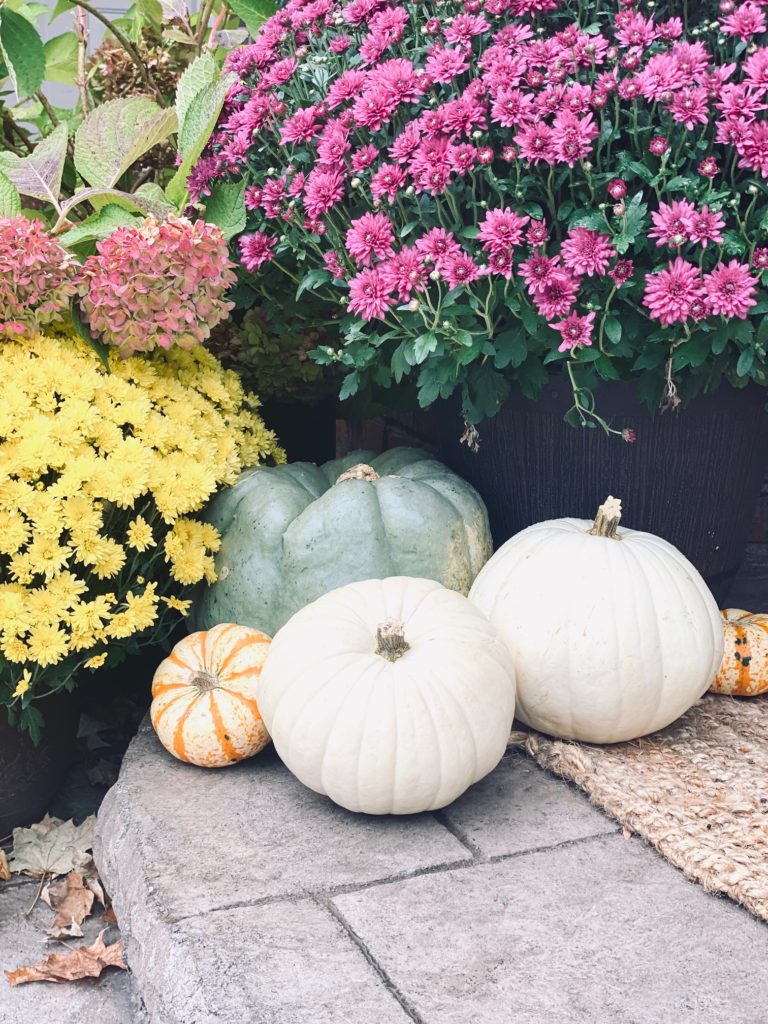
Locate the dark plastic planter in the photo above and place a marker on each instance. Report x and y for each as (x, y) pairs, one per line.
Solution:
(30, 775)
(693, 476)
(307, 431)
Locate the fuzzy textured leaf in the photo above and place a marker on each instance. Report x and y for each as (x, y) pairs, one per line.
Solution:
(83, 962)
(98, 226)
(253, 13)
(137, 202)
(61, 58)
(116, 134)
(198, 76)
(226, 208)
(199, 122)
(72, 902)
(39, 174)
(51, 846)
(10, 201)
(23, 52)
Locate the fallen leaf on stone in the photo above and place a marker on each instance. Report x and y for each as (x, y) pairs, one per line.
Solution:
(83, 962)
(5, 871)
(51, 846)
(109, 917)
(72, 902)
(85, 866)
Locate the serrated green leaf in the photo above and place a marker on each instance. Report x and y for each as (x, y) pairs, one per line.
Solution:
(97, 226)
(137, 202)
(199, 122)
(424, 346)
(531, 320)
(39, 174)
(606, 369)
(201, 73)
(511, 349)
(61, 58)
(311, 280)
(116, 134)
(22, 51)
(253, 12)
(226, 209)
(10, 201)
(349, 385)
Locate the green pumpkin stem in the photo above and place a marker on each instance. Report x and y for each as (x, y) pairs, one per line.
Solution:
(606, 522)
(390, 640)
(362, 471)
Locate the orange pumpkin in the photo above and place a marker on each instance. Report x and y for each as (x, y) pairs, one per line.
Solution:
(744, 668)
(204, 708)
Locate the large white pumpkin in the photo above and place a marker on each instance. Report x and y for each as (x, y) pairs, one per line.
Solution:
(389, 696)
(613, 633)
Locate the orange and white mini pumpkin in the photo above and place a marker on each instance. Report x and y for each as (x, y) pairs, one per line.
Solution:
(744, 669)
(204, 708)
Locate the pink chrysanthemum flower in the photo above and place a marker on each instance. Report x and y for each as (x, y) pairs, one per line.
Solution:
(458, 269)
(731, 290)
(587, 252)
(323, 190)
(157, 284)
(708, 167)
(622, 272)
(535, 143)
(670, 222)
(617, 188)
(690, 106)
(444, 63)
(557, 296)
(537, 271)
(332, 263)
(364, 157)
(760, 259)
(754, 148)
(746, 21)
(37, 277)
(670, 294)
(575, 330)
(405, 273)
(370, 238)
(658, 145)
(256, 249)
(388, 180)
(537, 233)
(704, 226)
(501, 229)
(369, 295)
(438, 245)
(572, 136)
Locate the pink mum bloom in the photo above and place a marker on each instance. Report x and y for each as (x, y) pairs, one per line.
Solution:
(670, 222)
(369, 295)
(324, 189)
(575, 330)
(587, 252)
(444, 63)
(346, 87)
(731, 290)
(705, 226)
(332, 261)
(302, 127)
(745, 22)
(464, 27)
(633, 30)
(536, 233)
(536, 142)
(760, 259)
(256, 249)
(340, 44)
(690, 106)
(405, 143)
(458, 269)
(438, 246)
(537, 271)
(364, 157)
(622, 272)
(572, 136)
(501, 229)
(370, 237)
(557, 296)
(708, 167)
(500, 262)
(387, 181)
(658, 145)
(617, 188)
(671, 294)
(405, 273)
(754, 148)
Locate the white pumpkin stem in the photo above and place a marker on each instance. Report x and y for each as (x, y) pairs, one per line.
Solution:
(390, 640)
(204, 681)
(362, 471)
(607, 519)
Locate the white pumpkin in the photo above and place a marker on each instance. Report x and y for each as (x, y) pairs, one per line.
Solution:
(613, 633)
(389, 696)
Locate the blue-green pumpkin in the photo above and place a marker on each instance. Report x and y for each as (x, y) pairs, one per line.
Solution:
(292, 533)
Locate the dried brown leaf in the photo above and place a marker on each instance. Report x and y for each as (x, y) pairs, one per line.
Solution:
(51, 846)
(72, 902)
(83, 962)
(85, 866)
(5, 871)
(109, 916)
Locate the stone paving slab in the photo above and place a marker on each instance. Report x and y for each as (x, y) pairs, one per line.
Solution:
(595, 932)
(521, 807)
(111, 999)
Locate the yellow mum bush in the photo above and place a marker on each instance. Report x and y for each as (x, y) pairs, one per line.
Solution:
(100, 476)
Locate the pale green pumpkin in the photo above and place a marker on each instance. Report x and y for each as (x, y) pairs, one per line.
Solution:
(292, 533)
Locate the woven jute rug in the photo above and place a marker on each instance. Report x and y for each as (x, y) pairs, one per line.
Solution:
(696, 791)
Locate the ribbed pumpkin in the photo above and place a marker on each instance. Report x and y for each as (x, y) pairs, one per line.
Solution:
(204, 708)
(292, 533)
(744, 668)
(390, 696)
(613, 633)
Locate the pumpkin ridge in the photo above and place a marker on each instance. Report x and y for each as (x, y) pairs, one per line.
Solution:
(159, 687)
(233, 652)
(221, 735)
(176, 660)
(249, 702)
(156, 720)
(179, 744)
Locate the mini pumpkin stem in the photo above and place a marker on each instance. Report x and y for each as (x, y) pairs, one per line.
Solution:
(362, 471)
(204, 681)
(390, 640)
(607, 519)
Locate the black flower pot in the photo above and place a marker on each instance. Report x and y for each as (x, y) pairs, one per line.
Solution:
(693, 475)
(307, 430)
(31, 774)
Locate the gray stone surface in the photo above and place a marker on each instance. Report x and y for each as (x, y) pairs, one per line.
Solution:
(283, 963)
(111, 999)
(522, 807)
(595, 932)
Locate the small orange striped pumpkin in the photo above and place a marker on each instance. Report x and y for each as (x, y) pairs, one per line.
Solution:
(744, 668)
(204, 708)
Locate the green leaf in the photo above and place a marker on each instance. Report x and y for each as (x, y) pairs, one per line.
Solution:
(137, 202)
(745, 363)
(606, 369)
(613, 329)
(199, 122)
(61, 7)
(226, 208)
(486, 392)
(39, 174)
(82, 328)
(97, 226)
(22, 51)
(253, 12)
(532, 377)
(424, 346)
(61, 58)
(116, 134)
(398, 364)
(10, 201)
(531, 320)
(201, 73)
(349, 385)
(762, 333)
(311, 280)
(511, 349)
(150, 11)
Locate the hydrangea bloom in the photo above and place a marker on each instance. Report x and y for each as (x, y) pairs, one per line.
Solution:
(37, 277)
(159, 284)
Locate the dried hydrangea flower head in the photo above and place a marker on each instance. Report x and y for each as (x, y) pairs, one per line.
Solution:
(37, 277)
(157, 284)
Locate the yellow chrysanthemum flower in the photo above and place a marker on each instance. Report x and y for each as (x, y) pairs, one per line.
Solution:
(96, 661)
(139, 535)
(23, 684)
